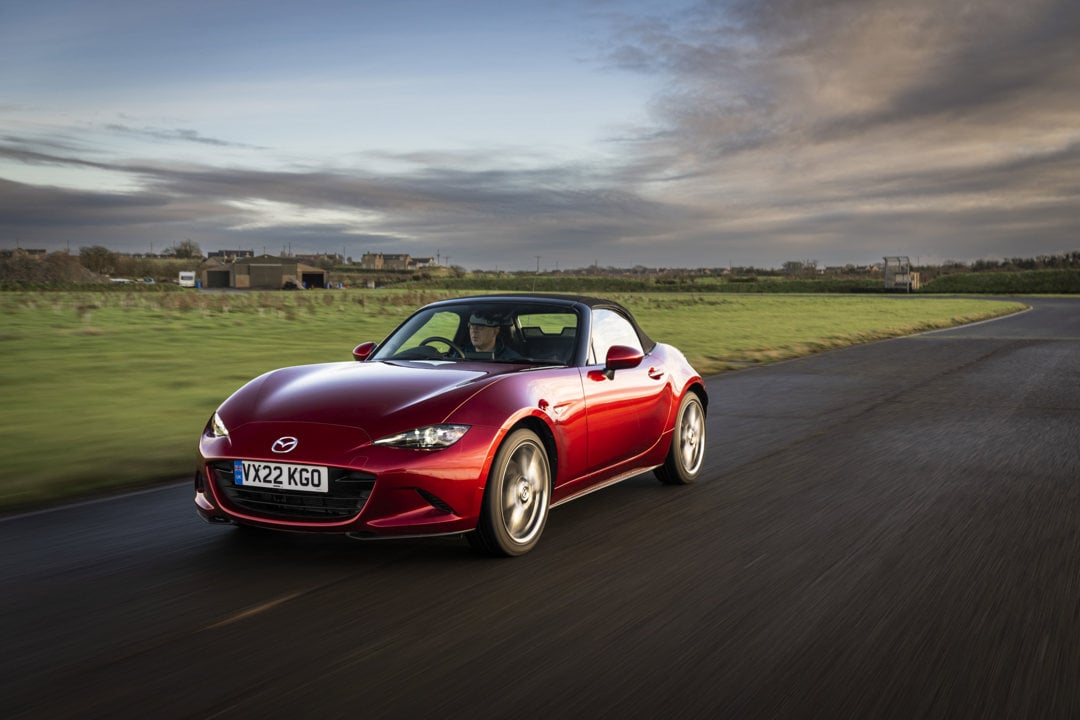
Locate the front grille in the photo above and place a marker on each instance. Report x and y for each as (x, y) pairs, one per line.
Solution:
(349, 491)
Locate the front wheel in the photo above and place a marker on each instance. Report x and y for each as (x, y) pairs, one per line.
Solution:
(516, 498)
(687, 452)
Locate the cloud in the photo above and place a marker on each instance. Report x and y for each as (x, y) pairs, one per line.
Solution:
(740, 74)
(175, 135)
(485, 218)
(843, 126)
(835, 130)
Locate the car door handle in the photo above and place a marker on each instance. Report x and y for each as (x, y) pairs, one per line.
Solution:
(655, 374)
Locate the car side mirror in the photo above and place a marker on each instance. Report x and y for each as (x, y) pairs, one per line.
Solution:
(621, 357)
(363, 351)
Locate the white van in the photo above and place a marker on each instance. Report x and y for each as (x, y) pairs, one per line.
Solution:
(187, 278)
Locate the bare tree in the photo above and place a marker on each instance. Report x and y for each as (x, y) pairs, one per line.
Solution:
(98, 259)
(185, 250)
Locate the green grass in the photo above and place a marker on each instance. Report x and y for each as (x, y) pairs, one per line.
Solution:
(723, 332)
(105, 389)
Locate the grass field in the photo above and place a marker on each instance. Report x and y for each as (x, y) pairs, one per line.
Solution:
(110, 389)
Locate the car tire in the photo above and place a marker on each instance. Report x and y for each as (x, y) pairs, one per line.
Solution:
(684, 459)
(516, 499)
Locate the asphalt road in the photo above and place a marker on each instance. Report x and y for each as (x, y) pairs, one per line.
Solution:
(889, 531)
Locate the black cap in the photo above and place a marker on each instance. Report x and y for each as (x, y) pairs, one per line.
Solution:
(485, 319)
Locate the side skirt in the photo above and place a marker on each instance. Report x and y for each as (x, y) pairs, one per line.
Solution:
(607, 483)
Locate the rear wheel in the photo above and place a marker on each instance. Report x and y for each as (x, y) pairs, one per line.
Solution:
(687, 452)
(516, 498)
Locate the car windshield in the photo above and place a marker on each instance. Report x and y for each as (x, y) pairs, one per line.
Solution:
(506, 332)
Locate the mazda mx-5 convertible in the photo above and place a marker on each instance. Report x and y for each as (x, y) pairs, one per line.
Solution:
(474, 417)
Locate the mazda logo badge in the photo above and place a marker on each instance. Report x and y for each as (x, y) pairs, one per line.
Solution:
(284, 445)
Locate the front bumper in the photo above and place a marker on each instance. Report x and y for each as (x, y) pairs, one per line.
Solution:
(381, 491)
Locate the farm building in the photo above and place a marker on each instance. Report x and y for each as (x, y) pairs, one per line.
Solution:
(385, 261)
(264, 272)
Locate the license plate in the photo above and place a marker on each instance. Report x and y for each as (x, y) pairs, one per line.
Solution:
(281, 476)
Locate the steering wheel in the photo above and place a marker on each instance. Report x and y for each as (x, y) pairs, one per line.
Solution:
(439, 338)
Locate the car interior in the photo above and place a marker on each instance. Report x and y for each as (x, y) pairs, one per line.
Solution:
(538, 334)
(539, 345)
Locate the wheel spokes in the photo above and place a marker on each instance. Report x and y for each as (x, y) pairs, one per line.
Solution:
(524, 493)
(691, 437)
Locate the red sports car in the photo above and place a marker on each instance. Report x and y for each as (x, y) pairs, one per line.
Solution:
(475, 416)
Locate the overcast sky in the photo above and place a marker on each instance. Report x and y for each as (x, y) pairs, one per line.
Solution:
(508, 134)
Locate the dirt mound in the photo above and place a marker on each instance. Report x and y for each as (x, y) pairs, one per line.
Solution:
(54, 268)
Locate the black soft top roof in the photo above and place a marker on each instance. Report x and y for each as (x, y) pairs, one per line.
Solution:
(556, 299)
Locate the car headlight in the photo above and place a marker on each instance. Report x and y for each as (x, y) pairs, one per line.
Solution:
(431, 437)
(217, 427)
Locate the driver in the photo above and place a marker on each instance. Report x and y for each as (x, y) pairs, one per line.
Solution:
(484, 338)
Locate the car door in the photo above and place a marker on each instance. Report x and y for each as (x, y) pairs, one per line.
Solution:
(626, 412)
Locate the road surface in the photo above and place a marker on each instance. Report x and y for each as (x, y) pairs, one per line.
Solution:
(888, 531)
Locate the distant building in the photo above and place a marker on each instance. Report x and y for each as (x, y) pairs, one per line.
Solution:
(261, 273)
(385, 261)
(396, 261)
(24, 252)
(230, 255)
(321, 258)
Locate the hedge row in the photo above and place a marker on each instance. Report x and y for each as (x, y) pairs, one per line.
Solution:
(1024, 282)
